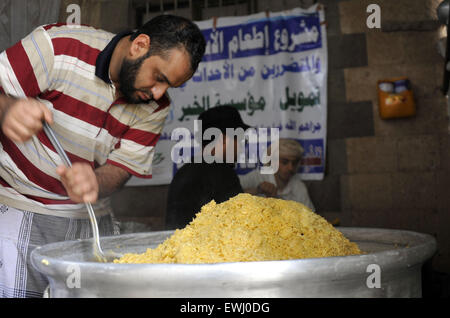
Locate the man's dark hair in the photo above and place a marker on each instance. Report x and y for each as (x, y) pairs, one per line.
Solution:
(169, 31)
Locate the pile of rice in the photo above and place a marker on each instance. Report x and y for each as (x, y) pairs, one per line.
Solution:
(249, 228)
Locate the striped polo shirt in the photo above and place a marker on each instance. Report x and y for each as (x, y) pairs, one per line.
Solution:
(62, 67)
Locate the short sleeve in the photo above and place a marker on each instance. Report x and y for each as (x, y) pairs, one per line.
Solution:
(26, 67)
(136, 148)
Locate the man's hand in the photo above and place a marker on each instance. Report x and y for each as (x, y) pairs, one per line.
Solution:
(80, 182)
(22, 118)
(268, 189)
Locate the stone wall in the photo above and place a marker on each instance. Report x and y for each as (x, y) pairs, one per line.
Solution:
(397, 171)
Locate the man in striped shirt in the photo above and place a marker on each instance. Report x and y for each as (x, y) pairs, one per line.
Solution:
(105, 97)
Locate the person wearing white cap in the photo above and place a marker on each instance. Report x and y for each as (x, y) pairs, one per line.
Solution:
(286, 182)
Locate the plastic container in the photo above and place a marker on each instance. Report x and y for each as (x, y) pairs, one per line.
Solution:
(395, 98)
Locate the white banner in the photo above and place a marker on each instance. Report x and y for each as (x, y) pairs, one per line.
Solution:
(273, 69)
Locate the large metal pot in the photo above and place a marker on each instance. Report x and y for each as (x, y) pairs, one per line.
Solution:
(391, 268)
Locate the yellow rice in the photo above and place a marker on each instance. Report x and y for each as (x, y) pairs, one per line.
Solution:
(249, 228)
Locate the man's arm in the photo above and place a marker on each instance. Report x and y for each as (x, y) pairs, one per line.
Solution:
(254, 184)
(266, 188)
(83, 184)
(110, 178)
(24, 77)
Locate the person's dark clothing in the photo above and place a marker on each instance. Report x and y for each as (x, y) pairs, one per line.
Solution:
(196, 184)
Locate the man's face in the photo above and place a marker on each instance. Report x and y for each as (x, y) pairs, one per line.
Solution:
(146, 78)
(288, 167)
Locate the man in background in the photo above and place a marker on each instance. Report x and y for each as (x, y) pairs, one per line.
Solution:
(285, 183)
(196, 184)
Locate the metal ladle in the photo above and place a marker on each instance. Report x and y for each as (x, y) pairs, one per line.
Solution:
(97, 249)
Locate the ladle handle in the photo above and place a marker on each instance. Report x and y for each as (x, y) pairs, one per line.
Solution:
(60, 150)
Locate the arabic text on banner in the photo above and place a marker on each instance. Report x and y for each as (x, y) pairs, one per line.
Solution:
(272, 69)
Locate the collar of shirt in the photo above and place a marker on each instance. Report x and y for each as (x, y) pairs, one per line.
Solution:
(104, 58)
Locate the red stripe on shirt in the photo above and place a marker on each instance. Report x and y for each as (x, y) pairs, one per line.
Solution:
(4, 183)
(76, 49)
(49, 26)
(29, 170)
(73, 158)
(23, 70)
(75, 107)
(85, 112)
(96, 117)
(39, 199)
(48, 201)
(112, 162)
(141, 137)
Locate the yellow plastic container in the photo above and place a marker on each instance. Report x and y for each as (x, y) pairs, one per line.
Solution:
(395, 98)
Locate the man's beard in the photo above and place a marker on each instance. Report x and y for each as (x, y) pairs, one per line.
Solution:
(127, 78)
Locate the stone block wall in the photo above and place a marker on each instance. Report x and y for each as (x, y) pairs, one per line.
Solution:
(397, 170)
